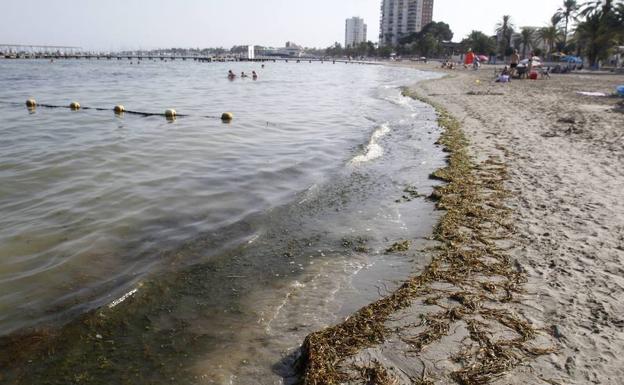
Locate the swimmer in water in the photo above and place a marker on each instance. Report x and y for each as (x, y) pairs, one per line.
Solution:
(243, 75)
(263, 66)
(254, 75)
(231, 75)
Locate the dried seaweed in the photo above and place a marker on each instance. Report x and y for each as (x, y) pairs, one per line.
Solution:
(399, 247)
(376, 374)
(467, 258)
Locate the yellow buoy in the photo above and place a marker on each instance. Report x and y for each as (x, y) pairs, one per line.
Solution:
(31, 103)
(170, 113)
(477, 81)
(227, 116)
(119, 109)
(74, 106)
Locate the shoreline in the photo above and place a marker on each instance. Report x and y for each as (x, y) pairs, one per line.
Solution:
(525, 332)
(172, 318)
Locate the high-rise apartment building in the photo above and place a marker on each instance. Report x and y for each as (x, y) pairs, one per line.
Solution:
(399, 18)
(355, 32)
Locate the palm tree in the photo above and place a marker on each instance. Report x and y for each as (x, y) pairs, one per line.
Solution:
(479, 42)
(619, 20)
(567, 13)
(604, 8)
(550, 34)
(527, 39)
(593, 38)
(601, 30)
(505, 29)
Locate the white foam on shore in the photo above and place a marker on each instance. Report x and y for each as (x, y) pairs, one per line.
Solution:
(373, 148)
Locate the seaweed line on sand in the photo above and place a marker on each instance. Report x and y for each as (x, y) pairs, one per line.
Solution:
(479, 280)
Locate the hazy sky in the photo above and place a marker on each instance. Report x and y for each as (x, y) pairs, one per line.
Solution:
(131, 24)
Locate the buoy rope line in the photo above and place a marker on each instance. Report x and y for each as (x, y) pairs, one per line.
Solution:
(119, 109)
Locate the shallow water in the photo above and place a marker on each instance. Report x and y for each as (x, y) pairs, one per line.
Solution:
(236, 240)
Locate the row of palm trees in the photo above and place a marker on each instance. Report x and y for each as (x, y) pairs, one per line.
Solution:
(591, 29)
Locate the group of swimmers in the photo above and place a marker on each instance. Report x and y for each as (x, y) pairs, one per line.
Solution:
(231, 75)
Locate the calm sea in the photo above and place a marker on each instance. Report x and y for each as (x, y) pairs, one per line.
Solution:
(152, 251)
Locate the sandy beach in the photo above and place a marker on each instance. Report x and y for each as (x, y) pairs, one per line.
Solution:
(547, 162)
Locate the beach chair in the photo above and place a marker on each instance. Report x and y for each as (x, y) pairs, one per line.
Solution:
(545, 72)
(521, 72)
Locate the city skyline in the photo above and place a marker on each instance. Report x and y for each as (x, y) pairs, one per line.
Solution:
(154, 24)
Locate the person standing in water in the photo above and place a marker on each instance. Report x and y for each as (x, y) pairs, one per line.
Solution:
(254, 75)
(231, 75)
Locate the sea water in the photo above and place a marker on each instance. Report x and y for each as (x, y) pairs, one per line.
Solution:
(143, 249)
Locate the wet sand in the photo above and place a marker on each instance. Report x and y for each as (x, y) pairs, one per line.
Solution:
(558, 158)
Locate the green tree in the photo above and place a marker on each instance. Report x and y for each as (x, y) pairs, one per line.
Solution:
(385, 51)
(441, 31)
(505, 30)
(600, 29)
(550, 34)
(479, 42)
(427, 42)
(527, 39)
(618, 24)
(566, 13)
(335, 50)
(604, 8)
(594, 38)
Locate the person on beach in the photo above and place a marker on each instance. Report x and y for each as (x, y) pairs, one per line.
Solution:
(504, 76)
(530, 65)
(515, 60)
(477, 63)
(254, 75)
(470, 58)
(231, 75)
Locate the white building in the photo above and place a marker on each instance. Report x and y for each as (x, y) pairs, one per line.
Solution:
(251, 52)
(290, 50)
(355, 32)
(400, 18)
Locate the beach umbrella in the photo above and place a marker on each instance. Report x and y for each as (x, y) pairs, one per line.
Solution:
(483, 58)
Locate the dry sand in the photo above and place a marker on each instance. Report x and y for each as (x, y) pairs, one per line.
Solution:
(565, 159)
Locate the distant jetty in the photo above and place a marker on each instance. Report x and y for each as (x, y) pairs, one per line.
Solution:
(13, 51)
(207, 59)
